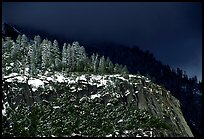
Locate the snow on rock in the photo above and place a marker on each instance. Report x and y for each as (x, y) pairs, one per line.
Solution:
(4, 110)
(110, 135)
(121, 120)
(8, 67)
(11, 64)
(139, 77)
(5, 105)
(50, 79)
(82, 99)
(11, 75)
(21, 79)
(127, 93)
(15, 76)
(82, 77)
(147, 81)
(60, 78)
(122, 78)
(26, 71)
(130, 75)
(109, 104)
(96, 77)
(95, 96)
(126, 131)
(74, 134)
(36, 83)
(56, 107)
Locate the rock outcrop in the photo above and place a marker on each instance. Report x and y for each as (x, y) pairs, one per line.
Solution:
(131, 90)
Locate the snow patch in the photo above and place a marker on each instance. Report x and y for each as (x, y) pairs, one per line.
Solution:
(109, 104)
(110, 135)
(50, 79)
(60, 78)
(36, 83)
(121, 120)
(15, 76)
(147, 81)
(82, 99)
(127, 93)
(95, 96)
(56, 107)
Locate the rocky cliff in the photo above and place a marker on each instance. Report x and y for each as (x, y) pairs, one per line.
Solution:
(127, 105)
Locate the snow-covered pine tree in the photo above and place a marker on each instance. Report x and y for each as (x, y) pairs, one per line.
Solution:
(18, 40)
(124, 70)
(92, 62)
(37, 41)
(45, 57)
(25, 53)
(96, 63)
(56, 55)
(69, 57)
(64, 57)
(15, 56)
(50, 56)
(87, 64)
(33, 60)
(101, 67)
(7, 46)
(109, 66)
(116, 68)
(75, 55)
(81, 58)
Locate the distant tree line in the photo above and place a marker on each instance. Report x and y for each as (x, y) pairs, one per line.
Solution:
(37, 56)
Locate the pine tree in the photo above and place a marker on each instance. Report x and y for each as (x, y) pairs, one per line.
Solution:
(69, 57)
(101, 67)
(56, 55)
(37, 41)
(81, 58)
(50, 56)
(15, 56)
(125, 70)
(25, 52)
(87, 65)
(45, 57)
(7, 48)
(64, 56)
(116, 68)
(75, 55)
(110, 68)
(33, 60)
(18, 40)
(94, 61)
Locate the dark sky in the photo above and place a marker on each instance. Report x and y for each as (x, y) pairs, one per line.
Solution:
(171, 31)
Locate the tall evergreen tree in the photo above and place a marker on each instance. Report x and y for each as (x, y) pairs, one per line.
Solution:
(33, 60)
(69, 57)
(94, 61)
(64, 56)
(101, 67)
(37, 41)
(45, 55)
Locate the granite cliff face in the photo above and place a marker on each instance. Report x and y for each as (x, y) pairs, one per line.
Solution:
(107, 93)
